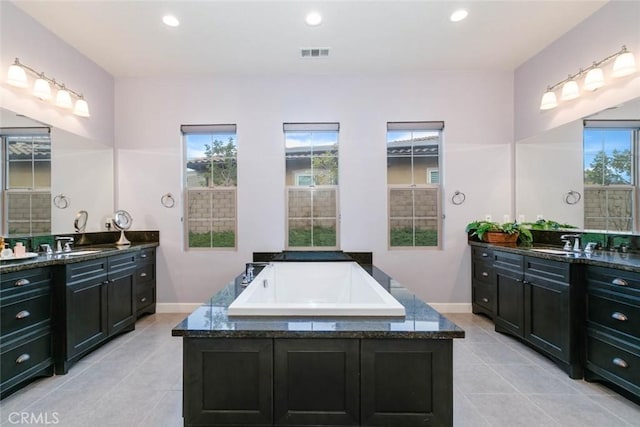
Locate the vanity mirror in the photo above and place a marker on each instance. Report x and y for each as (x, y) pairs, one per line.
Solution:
(79, 170)
(550, 178)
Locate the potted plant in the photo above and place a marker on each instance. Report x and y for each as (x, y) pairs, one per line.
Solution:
(493, 232)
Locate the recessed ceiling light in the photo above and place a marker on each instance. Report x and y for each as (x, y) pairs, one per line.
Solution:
(170, 20)
(458, 15)
(313, 19)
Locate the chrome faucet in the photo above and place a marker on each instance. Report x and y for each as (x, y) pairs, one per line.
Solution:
(67, 245)
(250, 273)
(576, 243)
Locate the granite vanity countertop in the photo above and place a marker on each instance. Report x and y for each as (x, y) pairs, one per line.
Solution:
(420, 322)
(618, 260)
(43, 260)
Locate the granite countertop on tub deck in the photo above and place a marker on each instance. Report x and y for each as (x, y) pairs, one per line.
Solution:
(601, 258)
(420, 322)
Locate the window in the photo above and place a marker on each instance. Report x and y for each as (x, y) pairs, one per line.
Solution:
(311, 157)
(610, 174)
(26, 180)
(413, 180)
(210, 179)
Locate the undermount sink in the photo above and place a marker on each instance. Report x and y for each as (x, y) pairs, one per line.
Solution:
(79, 253)
(552, 251)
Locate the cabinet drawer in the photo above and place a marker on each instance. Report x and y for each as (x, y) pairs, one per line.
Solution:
(24, 281)
(146, 273)
(25, 356)
(613, 356)
(624, 282)
(122, 262)
(482, 253)
(484, 294)
(508, 261)
(483, 271)
(27, 310)
(614, 311)
(147, 255)
(547, 269)
(145, 295)
(86, 270)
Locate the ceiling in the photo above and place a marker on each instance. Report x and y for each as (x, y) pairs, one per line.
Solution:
(127, 38)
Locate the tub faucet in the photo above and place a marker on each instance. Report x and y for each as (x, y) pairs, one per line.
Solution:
(576, 243)
(250, 273)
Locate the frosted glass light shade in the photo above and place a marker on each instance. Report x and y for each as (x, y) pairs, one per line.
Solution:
(82, 108)
(570, 90)
(549, 101)
(41, 89)
(624, 65)
(16, 76)
(63, 99)
(594, 79)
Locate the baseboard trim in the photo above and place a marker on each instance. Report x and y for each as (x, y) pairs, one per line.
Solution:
(184, 307)
(451, 307)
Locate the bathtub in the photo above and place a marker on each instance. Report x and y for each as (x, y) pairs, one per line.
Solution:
(315, 289)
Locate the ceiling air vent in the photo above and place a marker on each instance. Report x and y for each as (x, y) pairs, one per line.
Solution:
(314, 52)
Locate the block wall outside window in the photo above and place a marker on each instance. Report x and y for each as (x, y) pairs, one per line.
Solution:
(210, 178)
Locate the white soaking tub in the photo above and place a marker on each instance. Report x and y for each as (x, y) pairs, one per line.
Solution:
(315, 289)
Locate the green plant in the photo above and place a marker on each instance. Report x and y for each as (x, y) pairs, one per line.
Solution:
(480, 228)
(546, 224)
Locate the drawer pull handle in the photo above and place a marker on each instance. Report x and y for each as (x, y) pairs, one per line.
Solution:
(23, 314)
(22, 282)
(143, 255)
(484, 254)
(619, 316)
(619, 282)
(485, 274)
(22, 358)
(143, 299)
(143, 274)
(620, 362)
(485, 299)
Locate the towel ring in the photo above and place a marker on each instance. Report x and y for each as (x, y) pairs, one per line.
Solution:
(61, 201)
(572, 197)
(167, 200)
(458, 198)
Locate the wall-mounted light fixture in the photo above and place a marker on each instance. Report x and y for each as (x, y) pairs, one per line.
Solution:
(17, 76)
(624, 65)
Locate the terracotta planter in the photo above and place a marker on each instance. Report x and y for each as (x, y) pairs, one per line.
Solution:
(499, 237)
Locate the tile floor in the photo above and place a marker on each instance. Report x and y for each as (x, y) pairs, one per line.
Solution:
(135, 381)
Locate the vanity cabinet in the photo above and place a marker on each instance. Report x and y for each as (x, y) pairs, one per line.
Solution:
(96, 301)
(613, 328)
(317, 382)
(483, 282)
(146, 282)
(25, 327)
(539, 301)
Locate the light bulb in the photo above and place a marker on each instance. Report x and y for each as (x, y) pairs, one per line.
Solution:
(594, 79)
(458, 15)
(41, 89)
(313, 19)
(82, 108)
(570, 90)
(549, 100)
(624, 65)
(16, 75)
(63, 98)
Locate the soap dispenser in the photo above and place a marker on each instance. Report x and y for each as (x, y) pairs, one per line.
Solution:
(19, 251)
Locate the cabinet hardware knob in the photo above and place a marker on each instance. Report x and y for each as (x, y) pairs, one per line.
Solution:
(23, 358)
(620, 362)
(22, 282)
(484, 254)
(143, 299)
(143, 274)
(22, 314)
(143, 255)
(619, 282)
(485, 299)
(619, 316)
(485, 274)
(106, 282)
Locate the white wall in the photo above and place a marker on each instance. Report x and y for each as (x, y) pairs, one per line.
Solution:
(477, 110)
(617, 23)
(22, 37)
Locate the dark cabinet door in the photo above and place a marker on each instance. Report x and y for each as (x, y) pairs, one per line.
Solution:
(227, 382)
(509, 303)
(121, 302)
(86, 303)
(316, 382)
